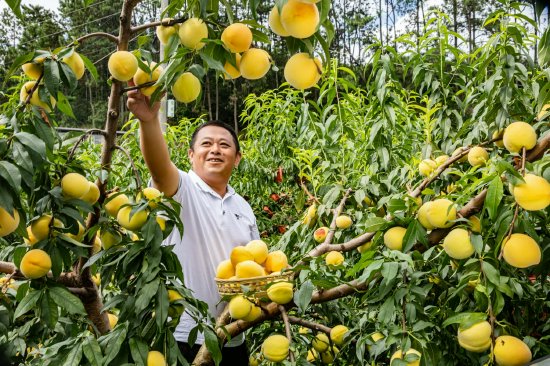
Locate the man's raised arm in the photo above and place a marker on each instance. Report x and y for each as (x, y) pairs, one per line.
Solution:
(153, 146)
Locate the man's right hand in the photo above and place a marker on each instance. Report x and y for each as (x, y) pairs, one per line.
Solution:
(140, 105)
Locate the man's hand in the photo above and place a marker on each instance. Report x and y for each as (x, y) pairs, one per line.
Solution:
(140, 105)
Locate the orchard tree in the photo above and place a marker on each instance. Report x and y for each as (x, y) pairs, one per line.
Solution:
(395, 249)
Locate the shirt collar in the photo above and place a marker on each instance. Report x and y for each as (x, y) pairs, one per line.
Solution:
(206, 188)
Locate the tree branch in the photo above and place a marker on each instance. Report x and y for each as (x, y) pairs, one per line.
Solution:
(309, 324)
(108, 36)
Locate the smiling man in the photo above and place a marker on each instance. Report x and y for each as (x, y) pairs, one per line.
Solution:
(215, 218)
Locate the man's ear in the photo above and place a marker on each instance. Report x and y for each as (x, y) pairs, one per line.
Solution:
(238, 159)
(190, 154)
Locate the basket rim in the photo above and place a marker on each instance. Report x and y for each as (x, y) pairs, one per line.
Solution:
(253, 279)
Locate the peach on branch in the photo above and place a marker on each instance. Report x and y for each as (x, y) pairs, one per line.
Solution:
(75, 62)
(35, 263)
(275, 23)
(233, 72)
(320, 234)
(275, 348)
(299, 19)
(142, 77)
(519, 135)
(35, 99)
(191, 32)
(164, 32)
(534, 194)
(237, 37)
(74, 185)
(187, 88)
(255, 63)
(303, 71)
(122, 65)
(8, 222)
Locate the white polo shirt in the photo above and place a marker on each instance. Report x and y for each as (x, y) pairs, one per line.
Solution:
(213, 226)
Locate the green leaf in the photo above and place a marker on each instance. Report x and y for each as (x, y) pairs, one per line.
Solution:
(302, 296)
(64, 106)
(32, 142)
(495, 191)
(387, 311)
(375, 224)
(15, 6)
(113, 341)
(465, 318)
(66, 300)
(161, 310)
(139, 351)
(27, 303)
(477, 242)
(212, 63)
(389, 270)
(74, 356)
(92, 351)
(51, 76)
(90, 66)
(48, 311)
(492, 274)
(145, 295)
(11, 174)
(212, 345)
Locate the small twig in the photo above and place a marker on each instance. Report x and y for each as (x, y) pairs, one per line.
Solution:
(284, 315)
(309, 324)
(136, 87)
(310, 197)
(154, 24)
(136, 173)
(81, 139)
(110, 37)
(336, 212)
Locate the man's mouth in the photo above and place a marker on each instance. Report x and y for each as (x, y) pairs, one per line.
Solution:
(215, 160)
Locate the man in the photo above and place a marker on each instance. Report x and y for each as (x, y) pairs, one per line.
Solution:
(215, 218)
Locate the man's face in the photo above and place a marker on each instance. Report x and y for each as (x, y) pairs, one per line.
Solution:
(214, 155)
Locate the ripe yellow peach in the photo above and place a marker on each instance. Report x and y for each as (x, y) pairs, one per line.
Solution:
(33, 70)
(96, 279)
(534, 194)
(343, 222)
(8, 222)
(441, 212)
(232, 71)
(259, 250)
(310, 215)
(399, 355)
(475, 224)
(299, 19)
(363, 248)
(519, 135)
(441, 159)
(458, 151)
(423, 216)
(131, 222)
(276, 261)
(114, 203)
(225, 270)
(334, 258)
(164, 32)
(457, 244)
(254, 314)
(109, 238)
(35, 99)
(142, 77)
(75, 62)
(499, 134)
(329, 355)
(393, 238)
(275, 348)
(31, 240)
(92, 195)
(237, 37)
(240, 254)
(477, 156)
(255, 63)
(41, 226)
(303, 71)
(511, 351)
(74, 185)
(191, 32)
(113, 320)
(187, 88)
(151, 194)
(476, 335)
(174, 295)
(248, 269)
(275, 23)
(338, 333)
(239, 307)
(426, 167)
(35, 263)
(281, 292)
(320, 234)
(122, 65)
(320, 342)
(477, 349)
(521, 251)
(543, 111)
(155, 358)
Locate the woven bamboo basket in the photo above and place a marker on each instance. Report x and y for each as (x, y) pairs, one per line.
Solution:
(257, 285)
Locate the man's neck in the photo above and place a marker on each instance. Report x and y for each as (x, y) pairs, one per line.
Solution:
(218, 186)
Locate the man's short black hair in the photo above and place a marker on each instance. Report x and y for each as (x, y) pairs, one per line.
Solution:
(217, 124)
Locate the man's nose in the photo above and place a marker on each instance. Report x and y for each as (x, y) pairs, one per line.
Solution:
(215, 148)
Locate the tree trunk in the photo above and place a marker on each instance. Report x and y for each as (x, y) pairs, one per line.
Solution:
(455, 21)
(380, 21)
(207, 96)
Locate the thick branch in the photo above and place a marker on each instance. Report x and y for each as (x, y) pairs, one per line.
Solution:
(309, 324)
(143, 27)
